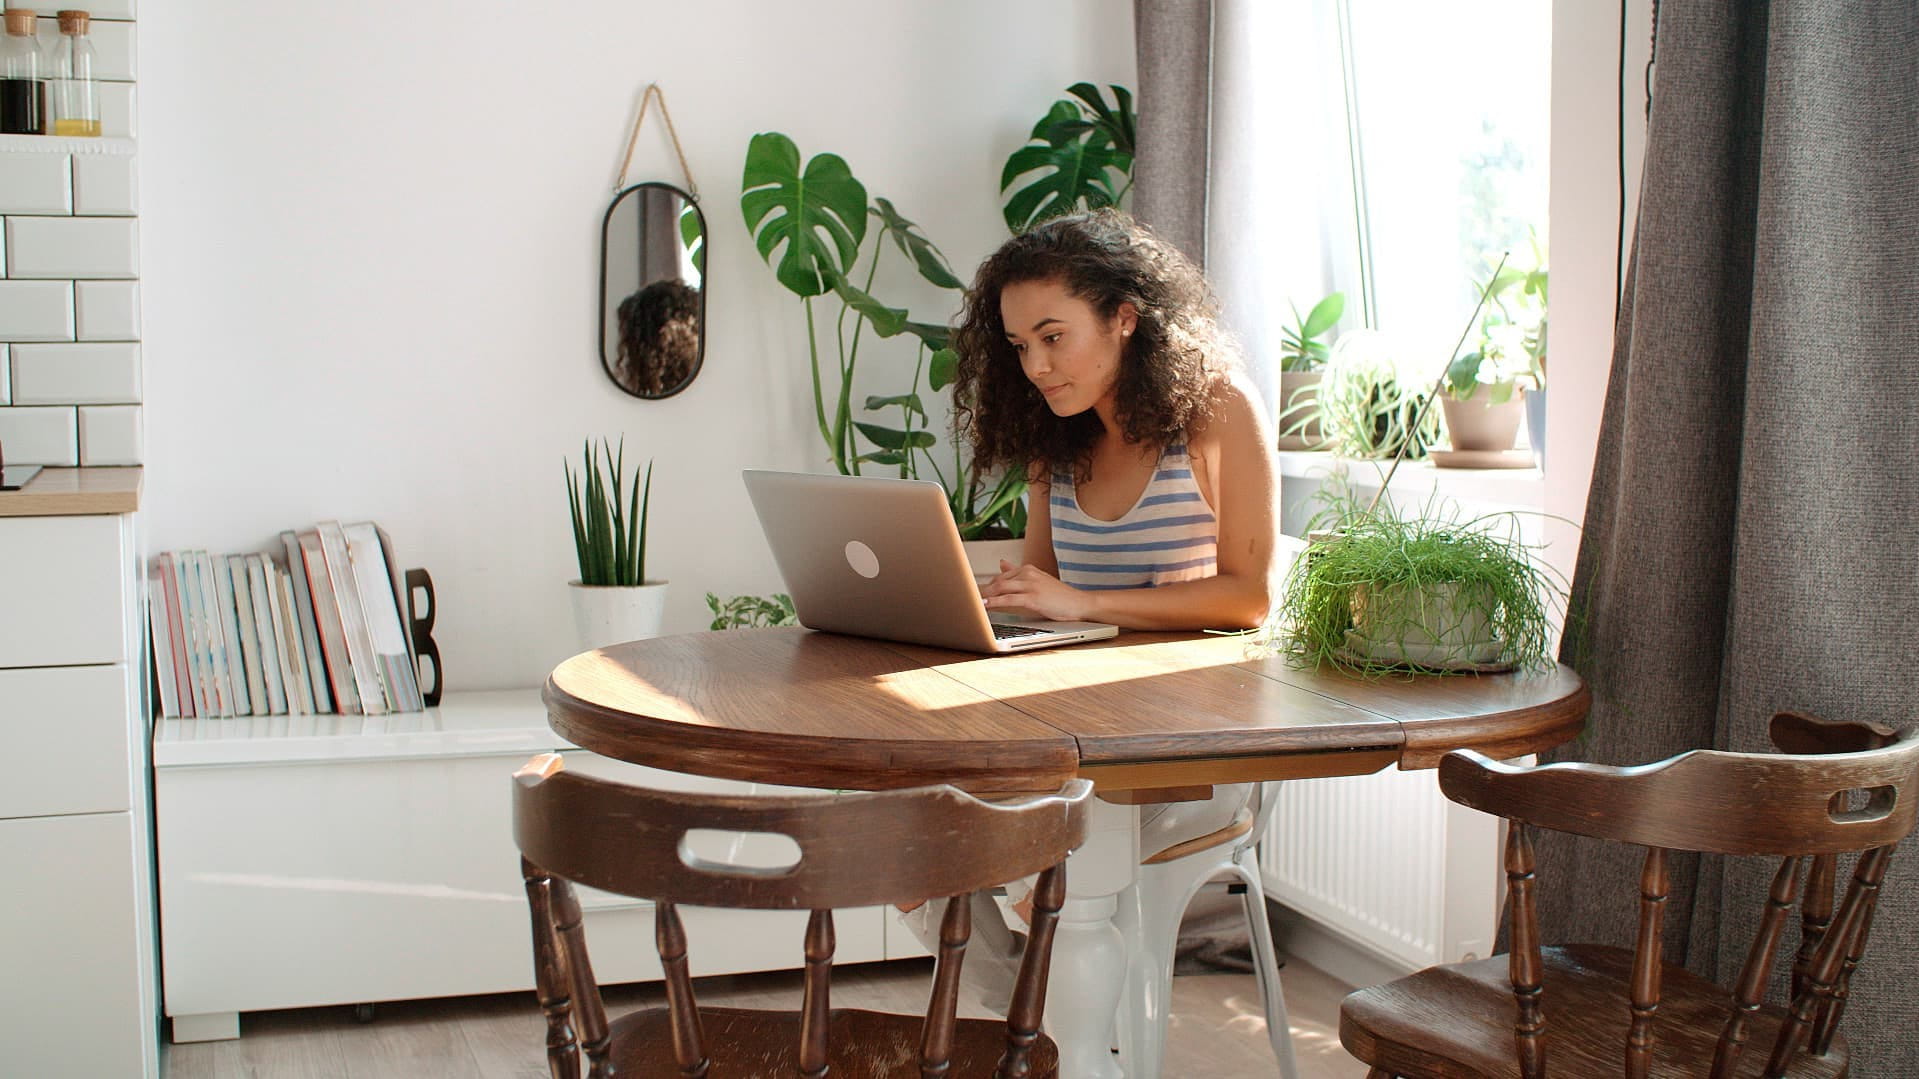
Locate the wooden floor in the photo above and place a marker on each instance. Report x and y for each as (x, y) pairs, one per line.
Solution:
(1218, 1029)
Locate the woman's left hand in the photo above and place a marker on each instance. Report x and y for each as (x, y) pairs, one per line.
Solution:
(1030, 590)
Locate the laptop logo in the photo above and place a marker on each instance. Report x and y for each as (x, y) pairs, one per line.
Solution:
(862, 559)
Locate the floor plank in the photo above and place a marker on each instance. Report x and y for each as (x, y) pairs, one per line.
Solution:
(1217, 1029)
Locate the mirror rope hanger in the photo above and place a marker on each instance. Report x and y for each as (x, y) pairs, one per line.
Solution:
(626, 164)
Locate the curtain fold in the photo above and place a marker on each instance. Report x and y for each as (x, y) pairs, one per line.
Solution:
(1174, 43)
(1750, 533)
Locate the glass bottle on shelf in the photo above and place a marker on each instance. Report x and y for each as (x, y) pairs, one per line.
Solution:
(23, 77)
(76, 108)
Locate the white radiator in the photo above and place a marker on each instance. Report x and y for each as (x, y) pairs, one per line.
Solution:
(1387, 863)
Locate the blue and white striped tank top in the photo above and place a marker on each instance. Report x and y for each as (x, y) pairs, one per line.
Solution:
(1169, 535)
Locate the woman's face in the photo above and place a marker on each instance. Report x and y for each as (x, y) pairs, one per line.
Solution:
(1065, 348)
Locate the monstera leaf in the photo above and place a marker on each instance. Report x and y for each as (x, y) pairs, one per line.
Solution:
(914, 244)
(815, 219)
(693, 236)
(1078, 149)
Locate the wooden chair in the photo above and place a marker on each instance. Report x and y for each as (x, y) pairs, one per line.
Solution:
(855, 850)
(1586, 1010)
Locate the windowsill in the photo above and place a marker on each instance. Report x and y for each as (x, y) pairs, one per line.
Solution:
(66, 144)
(1417, 479)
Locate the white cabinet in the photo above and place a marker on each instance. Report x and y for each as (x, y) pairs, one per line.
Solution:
(79, 995)
(314, 860)
(65, 595)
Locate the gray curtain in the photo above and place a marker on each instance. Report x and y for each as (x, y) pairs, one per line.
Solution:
(1174, 42)
(1752, 534)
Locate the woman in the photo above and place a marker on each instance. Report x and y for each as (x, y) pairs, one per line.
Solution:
(1090, 355)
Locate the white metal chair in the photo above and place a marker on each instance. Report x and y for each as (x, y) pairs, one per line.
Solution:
(1149, 917)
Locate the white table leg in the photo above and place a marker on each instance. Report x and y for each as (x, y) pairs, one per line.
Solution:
(1089, 954)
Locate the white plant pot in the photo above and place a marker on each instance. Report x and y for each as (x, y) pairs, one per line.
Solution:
(983, 556)
(1439, 624)
(611, 614)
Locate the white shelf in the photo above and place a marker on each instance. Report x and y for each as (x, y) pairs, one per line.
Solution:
(494, 723)
(1418, 479)
(66, 144)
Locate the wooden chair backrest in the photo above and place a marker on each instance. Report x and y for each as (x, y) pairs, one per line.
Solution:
(854, 850)
(1838, 788)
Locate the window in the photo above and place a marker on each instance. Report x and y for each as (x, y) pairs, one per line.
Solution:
(1447, 109)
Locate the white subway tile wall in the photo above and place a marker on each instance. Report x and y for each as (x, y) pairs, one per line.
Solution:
(87, 373)
(70, 361)
(107, 310)
(36, 310)
(40, 436)
(104, 185)
(35, 184)
(72, 247)
(110, 435)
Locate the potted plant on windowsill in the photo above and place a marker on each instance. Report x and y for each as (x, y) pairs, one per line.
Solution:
(1485, 394)
(1371, 404)
(1487, 389)
(1302, 365)
(613, 600)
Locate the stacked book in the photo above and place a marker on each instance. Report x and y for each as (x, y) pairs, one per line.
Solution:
(315, 627)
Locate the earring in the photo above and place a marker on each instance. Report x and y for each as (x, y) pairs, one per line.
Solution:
(1126, 333)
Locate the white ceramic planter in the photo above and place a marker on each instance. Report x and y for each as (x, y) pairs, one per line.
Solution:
(1440, 624)
(983, 556)
(610, 614)
(1478, 424)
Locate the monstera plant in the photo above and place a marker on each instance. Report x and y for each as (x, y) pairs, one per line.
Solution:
(1079, 157)
(811, 225)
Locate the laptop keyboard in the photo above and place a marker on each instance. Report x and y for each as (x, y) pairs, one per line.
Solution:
(1003, 632)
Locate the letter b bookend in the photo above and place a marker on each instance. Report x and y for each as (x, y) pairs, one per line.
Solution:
(420, 628)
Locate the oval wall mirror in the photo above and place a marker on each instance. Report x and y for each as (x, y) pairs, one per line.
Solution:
(653, 290)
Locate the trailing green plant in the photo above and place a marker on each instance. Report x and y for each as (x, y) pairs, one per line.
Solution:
(1300, 346)
(1080, 157)
(811, 226)
(609, 519)
(740, 612)
(1368, 408)
(1481, 569)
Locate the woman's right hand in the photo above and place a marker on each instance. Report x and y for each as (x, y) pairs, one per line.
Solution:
(1027, 589)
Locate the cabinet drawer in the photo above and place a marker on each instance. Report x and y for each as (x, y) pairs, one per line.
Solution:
(60, 578)
(70, 1001)
(65, 730)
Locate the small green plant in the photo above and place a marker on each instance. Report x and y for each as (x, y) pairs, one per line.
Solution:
(1512, 336)
(1082, 152)
(1301, 348)
(1370, 409)
(609, 519)
(1429, 592)
(743, 612)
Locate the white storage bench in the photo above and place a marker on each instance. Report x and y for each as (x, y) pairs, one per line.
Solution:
(312, 860)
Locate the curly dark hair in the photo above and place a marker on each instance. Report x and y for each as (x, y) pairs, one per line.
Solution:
(1171, 365)
(659, 338)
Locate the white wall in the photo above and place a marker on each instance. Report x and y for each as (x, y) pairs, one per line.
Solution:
(371, 253)
(1585, 229)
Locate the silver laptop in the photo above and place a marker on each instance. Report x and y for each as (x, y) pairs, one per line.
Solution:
(881, 558)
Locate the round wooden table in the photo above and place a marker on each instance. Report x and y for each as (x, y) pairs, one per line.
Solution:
(1148, 717)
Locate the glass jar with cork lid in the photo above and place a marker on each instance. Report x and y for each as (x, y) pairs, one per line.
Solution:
(24, 69)
(76, 107)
